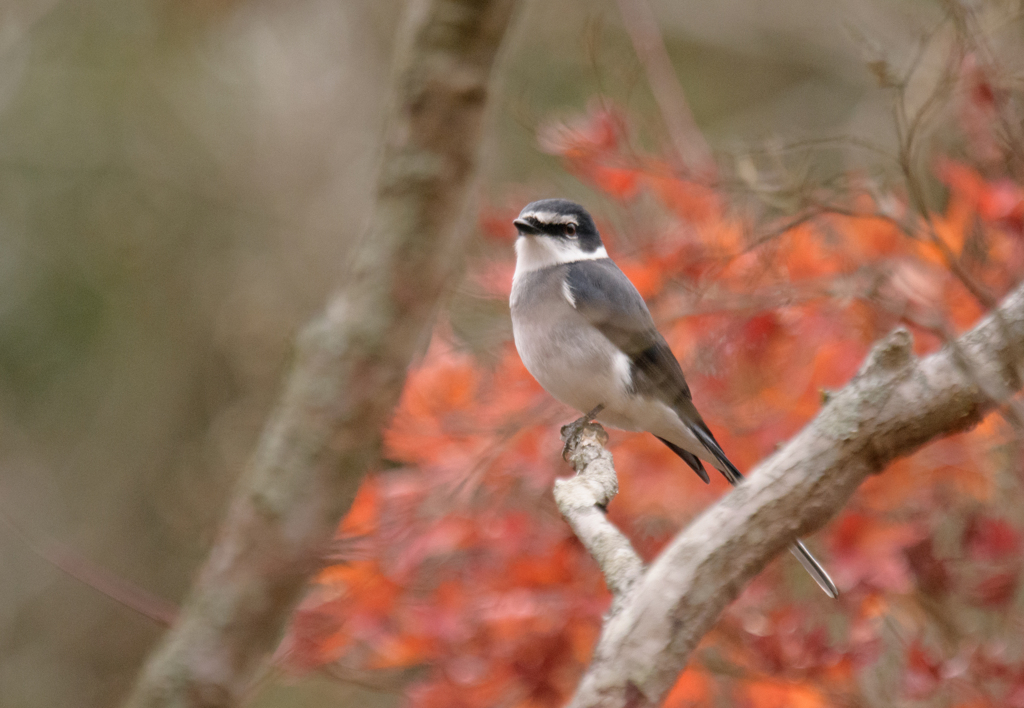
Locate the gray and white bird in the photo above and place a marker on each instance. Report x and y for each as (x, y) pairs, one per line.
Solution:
(585, 333)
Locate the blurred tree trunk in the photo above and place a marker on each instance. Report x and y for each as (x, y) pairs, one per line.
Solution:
(350, 364)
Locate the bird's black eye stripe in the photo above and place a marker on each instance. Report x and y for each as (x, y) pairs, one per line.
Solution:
(567, 229)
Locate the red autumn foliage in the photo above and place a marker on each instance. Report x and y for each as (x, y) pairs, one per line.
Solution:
(456, 559)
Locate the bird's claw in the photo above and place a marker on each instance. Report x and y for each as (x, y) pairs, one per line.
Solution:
(571, 431)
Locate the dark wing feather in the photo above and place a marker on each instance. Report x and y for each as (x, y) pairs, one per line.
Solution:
(729, 470)
(689, 458)
(606, 298)
(611, 303)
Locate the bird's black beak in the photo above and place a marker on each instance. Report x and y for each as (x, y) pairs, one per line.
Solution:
(526, 228)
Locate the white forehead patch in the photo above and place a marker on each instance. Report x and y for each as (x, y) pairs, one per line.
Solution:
(550, 217)
(536, 252)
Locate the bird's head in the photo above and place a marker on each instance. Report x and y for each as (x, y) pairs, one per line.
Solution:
(556, 231)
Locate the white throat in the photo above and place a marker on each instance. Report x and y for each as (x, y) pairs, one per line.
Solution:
(537, 252)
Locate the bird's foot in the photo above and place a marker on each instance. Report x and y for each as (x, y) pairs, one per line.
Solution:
(572, 430)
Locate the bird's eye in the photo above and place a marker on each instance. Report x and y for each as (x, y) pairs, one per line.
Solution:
(570, 230)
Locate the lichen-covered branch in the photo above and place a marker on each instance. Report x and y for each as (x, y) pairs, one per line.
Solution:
(583, 499)
(894, 405)
(350, 364)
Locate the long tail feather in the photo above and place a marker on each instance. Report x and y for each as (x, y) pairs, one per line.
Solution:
(807, 560)
(813, 567)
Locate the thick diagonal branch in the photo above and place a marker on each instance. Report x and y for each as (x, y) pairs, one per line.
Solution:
(349, 368)
(894, 405)
(583, 499)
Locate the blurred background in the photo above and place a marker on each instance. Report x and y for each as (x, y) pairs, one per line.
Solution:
(180, 185)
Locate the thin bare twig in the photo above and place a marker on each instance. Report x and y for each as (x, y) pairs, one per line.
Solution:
(100, 579)
(687, 140)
